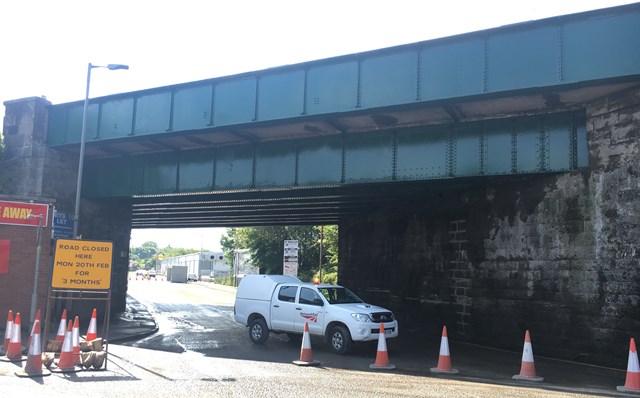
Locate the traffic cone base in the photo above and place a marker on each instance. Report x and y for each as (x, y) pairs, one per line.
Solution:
(625, 389)
(306, 354)
(387, 366)
(527, 378)
(15, 359)
(75, 369)
(24, 373)
(444, 371)
(305, 363)
(444, 359)
(382, 356)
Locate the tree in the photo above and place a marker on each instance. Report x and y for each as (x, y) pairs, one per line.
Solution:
(266, 246)
(148, 254)
(329, 254)
(143, 255)
(228, 245)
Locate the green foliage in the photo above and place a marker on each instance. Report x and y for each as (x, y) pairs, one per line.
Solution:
(1, 146)
(148, 254)
(228, 245)
(329, 235)
(266, 245)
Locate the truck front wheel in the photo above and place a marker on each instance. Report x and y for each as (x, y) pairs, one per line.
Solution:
(340, 340)
(258, 331)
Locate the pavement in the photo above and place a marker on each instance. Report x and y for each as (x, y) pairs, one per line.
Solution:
(135, 323)
(476, 363)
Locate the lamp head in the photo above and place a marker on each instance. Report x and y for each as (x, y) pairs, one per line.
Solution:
(117, 66)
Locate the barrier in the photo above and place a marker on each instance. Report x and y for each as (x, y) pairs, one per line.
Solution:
(444, 359)
(528, 368)
(33, 367)
(306, 354)
(382, 356)
(632, 382)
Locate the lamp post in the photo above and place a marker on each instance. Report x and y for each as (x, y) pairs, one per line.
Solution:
(34, 295)
(76, 212)
(320, 260)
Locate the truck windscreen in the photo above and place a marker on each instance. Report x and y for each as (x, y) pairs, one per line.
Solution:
(339, 295)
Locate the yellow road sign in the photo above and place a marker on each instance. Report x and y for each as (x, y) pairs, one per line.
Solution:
(82, 264)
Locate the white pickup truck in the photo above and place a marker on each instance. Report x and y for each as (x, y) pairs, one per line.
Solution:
(282, 304)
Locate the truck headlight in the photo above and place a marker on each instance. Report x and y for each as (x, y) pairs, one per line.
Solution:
(362, 317)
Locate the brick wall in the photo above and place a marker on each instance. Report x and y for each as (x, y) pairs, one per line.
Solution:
(16, 286)
(556, 254)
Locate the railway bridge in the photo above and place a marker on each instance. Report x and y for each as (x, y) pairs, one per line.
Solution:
(486, 181)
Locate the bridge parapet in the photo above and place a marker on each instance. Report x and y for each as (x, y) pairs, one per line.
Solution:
(377, 89)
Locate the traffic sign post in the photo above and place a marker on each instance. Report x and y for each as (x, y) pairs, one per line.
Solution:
(290, 263)
(82, 272)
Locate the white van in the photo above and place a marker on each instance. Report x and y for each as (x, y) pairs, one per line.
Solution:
(283, 304)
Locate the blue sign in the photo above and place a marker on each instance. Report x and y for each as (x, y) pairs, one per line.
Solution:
(62, 225)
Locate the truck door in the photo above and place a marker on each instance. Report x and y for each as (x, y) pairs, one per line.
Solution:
(310, 309)
(283, 307)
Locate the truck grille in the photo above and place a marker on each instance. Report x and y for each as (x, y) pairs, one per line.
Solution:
(383, 317)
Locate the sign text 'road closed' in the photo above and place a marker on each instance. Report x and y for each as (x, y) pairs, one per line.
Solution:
(82, 264)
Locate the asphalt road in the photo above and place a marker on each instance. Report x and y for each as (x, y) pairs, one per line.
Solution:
(199, 351)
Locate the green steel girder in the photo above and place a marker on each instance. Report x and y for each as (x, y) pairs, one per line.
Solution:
(579, 49)
(524, 145)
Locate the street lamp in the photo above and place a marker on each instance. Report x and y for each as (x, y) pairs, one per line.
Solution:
(76, 212)
(34, 295)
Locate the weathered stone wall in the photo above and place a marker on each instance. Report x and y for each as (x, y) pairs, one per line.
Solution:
(557, 255)
(32, 170)
(111, 220)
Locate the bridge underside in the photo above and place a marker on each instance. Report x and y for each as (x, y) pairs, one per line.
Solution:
(321, 179)
(316, 206)
(308, 143)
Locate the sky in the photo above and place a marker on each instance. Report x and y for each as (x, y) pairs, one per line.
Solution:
(47, 45)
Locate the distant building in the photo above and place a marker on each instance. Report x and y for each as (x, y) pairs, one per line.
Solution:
(201, 264)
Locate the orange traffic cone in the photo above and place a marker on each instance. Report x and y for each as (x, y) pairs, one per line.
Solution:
(92, 332)
(632, 384)
(528, 368)
(444, 360)
(7, 331)
(382, 357)
(33, 367)
(75, 338)
(306, 355)
(14, 350)
(33, 328)
(62, 326)
(65, 362)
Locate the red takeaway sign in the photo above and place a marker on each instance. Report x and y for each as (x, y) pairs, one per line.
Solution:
(19, 213)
